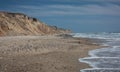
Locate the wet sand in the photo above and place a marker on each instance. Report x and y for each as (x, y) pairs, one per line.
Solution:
(43, 53)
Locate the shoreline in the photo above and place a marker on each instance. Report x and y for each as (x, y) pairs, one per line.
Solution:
(44, 53)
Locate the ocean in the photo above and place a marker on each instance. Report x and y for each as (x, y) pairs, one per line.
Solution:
(103, 59)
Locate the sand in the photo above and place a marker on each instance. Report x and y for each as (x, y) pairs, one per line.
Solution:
(43, 53)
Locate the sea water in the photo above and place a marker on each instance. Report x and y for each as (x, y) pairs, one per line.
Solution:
(103, 59)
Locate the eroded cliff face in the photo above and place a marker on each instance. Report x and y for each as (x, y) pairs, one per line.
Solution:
(12, 24)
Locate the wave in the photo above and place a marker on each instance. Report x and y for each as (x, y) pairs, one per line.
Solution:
(101, 70)
(103, 35)
(104, 59)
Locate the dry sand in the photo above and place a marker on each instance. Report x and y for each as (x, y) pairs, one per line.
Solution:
(43, 53)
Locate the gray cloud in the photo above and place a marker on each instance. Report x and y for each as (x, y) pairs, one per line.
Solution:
(53, 10)
(86, 0)
(103, 0)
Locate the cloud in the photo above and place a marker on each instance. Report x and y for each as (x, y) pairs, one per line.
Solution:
(85, 0)
(58, 10)
(103, 0)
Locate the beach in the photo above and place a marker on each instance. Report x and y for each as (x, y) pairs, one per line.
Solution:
(48, 53)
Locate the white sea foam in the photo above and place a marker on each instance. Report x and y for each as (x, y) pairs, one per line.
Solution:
(104, 59)
(110, 36)
(101, 70)
(101, 62)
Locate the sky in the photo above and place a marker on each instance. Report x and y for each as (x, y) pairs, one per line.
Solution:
(76, 15)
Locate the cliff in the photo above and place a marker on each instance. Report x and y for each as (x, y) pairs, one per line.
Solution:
(12, 24)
